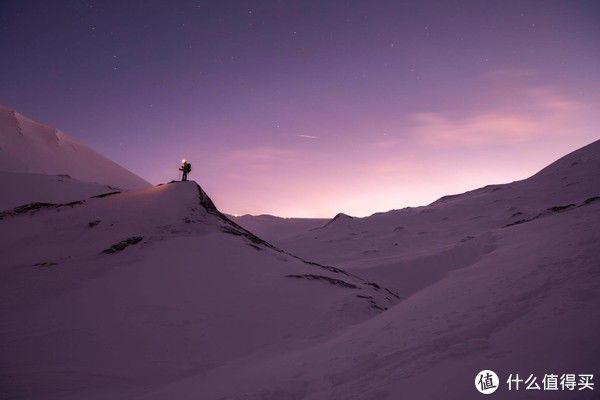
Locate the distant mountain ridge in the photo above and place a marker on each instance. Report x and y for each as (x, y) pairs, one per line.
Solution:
(27, 146)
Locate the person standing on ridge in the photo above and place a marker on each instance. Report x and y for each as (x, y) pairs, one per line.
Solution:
(186, 168)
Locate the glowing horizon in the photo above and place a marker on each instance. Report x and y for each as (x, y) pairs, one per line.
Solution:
(309, 110)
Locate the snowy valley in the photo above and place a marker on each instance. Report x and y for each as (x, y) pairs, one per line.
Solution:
(115, 289)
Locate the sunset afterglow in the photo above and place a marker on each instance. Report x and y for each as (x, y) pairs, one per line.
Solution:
(306, 109)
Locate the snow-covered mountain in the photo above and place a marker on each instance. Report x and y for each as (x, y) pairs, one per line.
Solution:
(400, 236)
(154, 294)
(116, 295)
(278, 227)
(505, 277)
(27, 146)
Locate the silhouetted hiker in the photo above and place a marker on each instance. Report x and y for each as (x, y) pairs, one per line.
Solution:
(186, 168)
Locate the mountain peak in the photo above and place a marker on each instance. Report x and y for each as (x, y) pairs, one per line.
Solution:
(341, 216)
(32, 147)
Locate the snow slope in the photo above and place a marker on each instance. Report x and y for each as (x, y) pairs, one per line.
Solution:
(277, 227)
(505, 277)
(153, 294)
(527, 307)
(27, 146)
(113, 296)
(453, 229)
(31, 188)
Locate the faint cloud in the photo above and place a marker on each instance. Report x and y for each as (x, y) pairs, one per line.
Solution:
(543, 111)
(259, 158)
(551, 100)
(307, 136)
(480, 129)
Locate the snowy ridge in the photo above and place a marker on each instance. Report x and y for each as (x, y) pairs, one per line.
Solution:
(209, 217)
(383, 236)
(126, 276)
(339, 218)
(278, 227)
(480, 291)
(154, 293)
(27, 146)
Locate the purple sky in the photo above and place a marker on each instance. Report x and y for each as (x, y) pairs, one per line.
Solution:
(300, 108)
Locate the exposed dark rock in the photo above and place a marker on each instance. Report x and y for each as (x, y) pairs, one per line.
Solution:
(34, 207)
(376, 286)
(332, 281)
(239, 231)
(31, 207)
(552, 210)
(557, 209)
(92, 224)
(123, 244)
(591, 200)
(378, 307)
(71, 204)
(44, 264)
(231, 231)
(99, 196)
(327, 267)
(521, 221)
